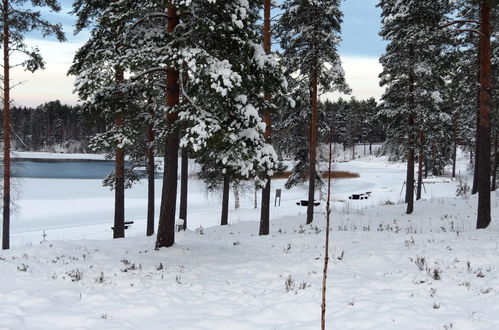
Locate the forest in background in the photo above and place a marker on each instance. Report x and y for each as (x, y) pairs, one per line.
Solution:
(57, 127)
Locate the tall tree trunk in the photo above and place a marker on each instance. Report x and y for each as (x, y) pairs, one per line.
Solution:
(166, 228)
(265, 211)
(409, 192)
(184, 182)
(496, 163)
(476, 172)
(6, 128)
(150, 178)
(313, 146)
(420, 165)
(119, 191)
(483, 214)
(225, 201)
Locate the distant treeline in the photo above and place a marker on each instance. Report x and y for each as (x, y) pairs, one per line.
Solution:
(53, 127)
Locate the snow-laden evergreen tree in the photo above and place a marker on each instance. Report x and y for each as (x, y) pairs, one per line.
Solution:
(17, 19)
(413, 78)
(309, 32)
(212, 56)
(100, 66)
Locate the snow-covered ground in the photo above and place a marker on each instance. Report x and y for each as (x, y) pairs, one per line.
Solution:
(430, 270)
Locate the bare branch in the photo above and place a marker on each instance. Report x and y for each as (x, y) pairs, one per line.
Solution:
(148, 72)
(470, 30)
(460, 21)
(18, 84)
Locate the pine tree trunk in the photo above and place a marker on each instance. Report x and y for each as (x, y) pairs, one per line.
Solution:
(237, 195)
(409, 192)
(225, 201)
(184, 181)
(420, 165)
(265, 211)
(166, 227)
(150, 179)
(312, 146)
(483, 215)
(6, 128)
(476, 173)
(119, 190)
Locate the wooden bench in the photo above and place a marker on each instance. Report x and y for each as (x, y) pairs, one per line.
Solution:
(304, 202)
(360, 196)
(128, 224)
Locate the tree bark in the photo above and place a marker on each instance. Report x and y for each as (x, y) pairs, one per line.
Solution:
(265, 211)
(313, 146)
(225, 201)
(483, 214)
(409, 192)
(476, 172)
(184, 182)
(6, 128)
(166, 228)
(150, 179)
(119, 189)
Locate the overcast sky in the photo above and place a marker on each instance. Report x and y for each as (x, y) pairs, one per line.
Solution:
(360, 50)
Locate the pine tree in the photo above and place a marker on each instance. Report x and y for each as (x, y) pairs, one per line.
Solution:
(310, 33)
(16, 21)
(100, 66)
(412, 77)
(217, 65)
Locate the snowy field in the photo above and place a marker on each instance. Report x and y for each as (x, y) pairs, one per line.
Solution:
(430, 270)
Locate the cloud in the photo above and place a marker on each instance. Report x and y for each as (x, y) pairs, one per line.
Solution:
(362, 76)
(49, 84)
(53, 83)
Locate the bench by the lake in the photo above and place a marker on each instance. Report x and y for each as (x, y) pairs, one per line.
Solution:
(127, 225)
(360, 196)
(304, 202)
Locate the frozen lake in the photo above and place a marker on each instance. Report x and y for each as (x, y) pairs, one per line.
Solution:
(65, 196)
(61, 168)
